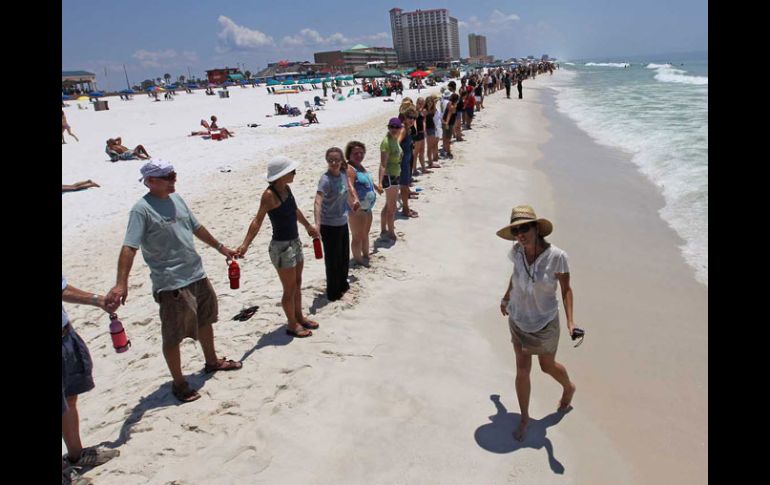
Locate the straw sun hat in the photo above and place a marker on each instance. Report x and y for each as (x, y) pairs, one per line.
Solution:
(523, 214)
(279, 166)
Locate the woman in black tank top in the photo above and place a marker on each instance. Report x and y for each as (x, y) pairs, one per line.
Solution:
(419, 136)
(286, 253)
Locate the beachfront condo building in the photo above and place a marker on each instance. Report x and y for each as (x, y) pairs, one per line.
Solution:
(357, 57)
(477, 45)
(424, 36)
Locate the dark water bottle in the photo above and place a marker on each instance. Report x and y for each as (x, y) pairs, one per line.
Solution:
(319, 253)
(119, 338)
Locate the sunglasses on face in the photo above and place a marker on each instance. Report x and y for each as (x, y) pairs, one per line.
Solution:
(169, 177)
(516, 230)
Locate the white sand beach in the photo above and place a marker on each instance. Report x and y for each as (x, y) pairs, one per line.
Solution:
(399, 385)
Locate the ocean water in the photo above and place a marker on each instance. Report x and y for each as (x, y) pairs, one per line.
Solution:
(655, 109)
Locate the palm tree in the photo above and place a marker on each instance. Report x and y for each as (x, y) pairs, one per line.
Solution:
(181, 79)
(248, 74)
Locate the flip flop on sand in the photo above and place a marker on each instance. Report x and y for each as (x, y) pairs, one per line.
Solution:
(309, 324)
(222, 364)
(412, 213)
(186, 394)
(298, 333)
(246, 313)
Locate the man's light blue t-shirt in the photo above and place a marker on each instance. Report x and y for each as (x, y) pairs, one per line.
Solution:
(163, 228)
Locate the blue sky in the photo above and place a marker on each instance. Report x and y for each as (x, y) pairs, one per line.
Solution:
(155, 37)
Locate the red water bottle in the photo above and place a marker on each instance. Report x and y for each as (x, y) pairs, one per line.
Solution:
(119, 339)
(319, 253)
(234, 273)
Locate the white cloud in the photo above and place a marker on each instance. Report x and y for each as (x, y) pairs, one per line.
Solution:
(498, 17)
(497, 22)
(154, 58)
(472, 23)
(237, 37)
(381, 38)
(310, 37)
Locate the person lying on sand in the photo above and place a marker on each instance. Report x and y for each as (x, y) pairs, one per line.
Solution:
(86, 184)
(115, 145)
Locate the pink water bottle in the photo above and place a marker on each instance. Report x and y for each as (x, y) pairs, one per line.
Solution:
(119, 339)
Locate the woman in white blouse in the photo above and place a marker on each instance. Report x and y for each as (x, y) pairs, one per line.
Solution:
(531, 305)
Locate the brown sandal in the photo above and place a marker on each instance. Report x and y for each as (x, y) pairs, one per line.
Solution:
(223, 364)
(186, 394)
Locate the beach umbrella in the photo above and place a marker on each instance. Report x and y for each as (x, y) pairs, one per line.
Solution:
(127, 91)
(273, 82)
(191, 85)
(418, 74)
(371, 72)
(83, 98)
(288, 82)
(64, 97)
(95, 94)
(171, 86)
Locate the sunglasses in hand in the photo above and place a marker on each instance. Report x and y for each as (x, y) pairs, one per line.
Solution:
(578, 333)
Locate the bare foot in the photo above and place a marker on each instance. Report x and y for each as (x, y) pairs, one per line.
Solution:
(566, 398)
(518, 435)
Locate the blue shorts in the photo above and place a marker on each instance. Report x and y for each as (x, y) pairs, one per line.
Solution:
(76, 367)
(127, 155)
(406, 172)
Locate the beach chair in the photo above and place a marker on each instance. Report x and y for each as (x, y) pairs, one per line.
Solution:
(308, 105)
(318, 103)
(351, 92)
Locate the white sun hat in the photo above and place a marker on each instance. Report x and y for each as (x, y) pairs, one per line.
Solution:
(279, 166)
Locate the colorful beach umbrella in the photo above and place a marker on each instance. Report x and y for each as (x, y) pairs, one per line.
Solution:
(418, 74)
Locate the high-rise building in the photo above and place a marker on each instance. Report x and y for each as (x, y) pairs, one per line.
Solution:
(477, 45)
(425, 35)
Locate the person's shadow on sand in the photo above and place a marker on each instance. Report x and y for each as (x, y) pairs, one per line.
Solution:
(497, 436)
(160, 398)
(276, 338)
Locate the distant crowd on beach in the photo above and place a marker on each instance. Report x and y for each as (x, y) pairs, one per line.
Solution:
(164, 228)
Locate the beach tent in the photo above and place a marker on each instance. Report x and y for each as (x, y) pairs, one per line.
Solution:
(371, 72)
(418, 74)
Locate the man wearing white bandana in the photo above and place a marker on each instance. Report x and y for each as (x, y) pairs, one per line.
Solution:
(163, 226)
